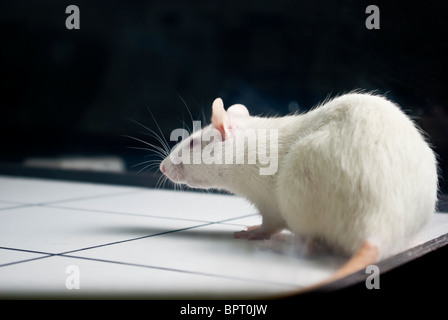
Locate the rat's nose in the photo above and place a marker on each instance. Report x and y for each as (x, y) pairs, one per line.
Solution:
(162, 168)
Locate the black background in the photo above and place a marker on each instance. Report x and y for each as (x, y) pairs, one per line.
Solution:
(73, 92)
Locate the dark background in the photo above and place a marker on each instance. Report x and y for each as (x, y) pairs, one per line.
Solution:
(75, 92)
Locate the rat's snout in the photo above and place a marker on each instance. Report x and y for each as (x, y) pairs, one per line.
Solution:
(174, 172)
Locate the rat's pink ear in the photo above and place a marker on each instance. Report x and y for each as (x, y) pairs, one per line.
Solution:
(219, 117)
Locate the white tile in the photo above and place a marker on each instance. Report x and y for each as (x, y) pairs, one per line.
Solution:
(33, 191)
(50, 277)
(11, 256)
(171, 204)
(213, 250)
(56, 230)
(437, 226)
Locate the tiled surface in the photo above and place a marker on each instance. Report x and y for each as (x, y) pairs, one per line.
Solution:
(126, 241)
(134, 241)
(57, 230)
(106, 279)
(8, 256)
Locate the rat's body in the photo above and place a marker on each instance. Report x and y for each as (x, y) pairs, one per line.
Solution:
(354, 172)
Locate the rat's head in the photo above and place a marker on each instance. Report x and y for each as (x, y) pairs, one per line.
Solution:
(199, 160)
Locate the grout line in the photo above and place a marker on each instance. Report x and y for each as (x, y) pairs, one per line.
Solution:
(205, 223)
(151, 235)
(289, 285)
(127, 214)
(45, 255)
(26, 260)
(149, 216)
(25, 250)
(11, 202)
(48, 254)
(17, 206)
(66, 253)
(134, 239)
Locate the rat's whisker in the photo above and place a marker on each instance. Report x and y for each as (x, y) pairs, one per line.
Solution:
(155, 162)
(166, 144)
(201, 114)
(154, 155)
(162, 181)
(161, 150)
(154, 152)
(186, 106)
(160, 184)
(165, 181)
(160, 139)
(162, 142)
(150, 167)
(142, 163)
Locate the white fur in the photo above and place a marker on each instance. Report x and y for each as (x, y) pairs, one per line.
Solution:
(351, 170)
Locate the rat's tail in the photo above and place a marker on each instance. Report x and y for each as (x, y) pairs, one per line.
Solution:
(368, 254)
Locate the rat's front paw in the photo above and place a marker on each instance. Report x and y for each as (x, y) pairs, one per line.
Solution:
(253, 233)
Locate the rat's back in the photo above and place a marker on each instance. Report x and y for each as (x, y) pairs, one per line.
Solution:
(359, 170)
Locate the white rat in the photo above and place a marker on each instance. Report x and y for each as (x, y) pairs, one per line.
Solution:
(354, 172)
